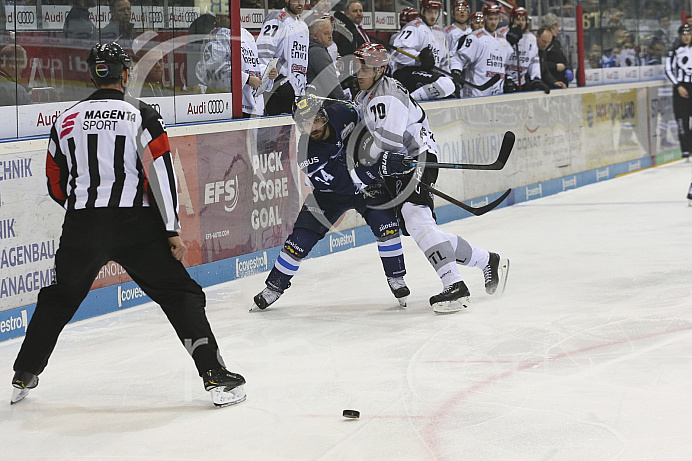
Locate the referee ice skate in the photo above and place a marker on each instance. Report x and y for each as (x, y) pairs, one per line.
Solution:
(109, 165)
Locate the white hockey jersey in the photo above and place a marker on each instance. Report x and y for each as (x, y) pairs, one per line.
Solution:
(214, 67)
(529, 62)
(396, 121)
(454, 33)
(251, 67)
(481, 56)
(415, 36)
(286, 38)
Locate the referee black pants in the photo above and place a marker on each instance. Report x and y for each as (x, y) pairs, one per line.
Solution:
(682, 108)
(134, 238)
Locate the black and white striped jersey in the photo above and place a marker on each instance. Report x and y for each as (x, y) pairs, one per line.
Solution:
(679, 65)
(108, 151)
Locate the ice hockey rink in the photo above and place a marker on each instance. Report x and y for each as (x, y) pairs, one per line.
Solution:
(587, 356)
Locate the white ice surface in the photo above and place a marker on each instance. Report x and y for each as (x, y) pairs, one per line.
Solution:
(587, 356)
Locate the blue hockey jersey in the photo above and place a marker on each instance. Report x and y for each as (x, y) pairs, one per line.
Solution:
(325, 162)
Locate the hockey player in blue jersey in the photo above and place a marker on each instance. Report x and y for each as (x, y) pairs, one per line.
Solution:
(326, 132)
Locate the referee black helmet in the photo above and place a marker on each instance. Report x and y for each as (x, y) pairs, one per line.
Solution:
(107, 62)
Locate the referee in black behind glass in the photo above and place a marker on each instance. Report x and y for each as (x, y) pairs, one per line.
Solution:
(109, 165)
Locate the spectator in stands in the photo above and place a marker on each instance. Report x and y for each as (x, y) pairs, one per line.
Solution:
(78, 24)
(13, 61)
(147, 75)
(349, 35)
(555, 57)
(349, 40)
(594, 58)
(663, 32)
(121, 29)
(544, 38)
(384, 5)
(321, 69)
(628, 55)
(654, 51)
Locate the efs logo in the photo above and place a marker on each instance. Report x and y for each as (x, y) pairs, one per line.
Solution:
(227, 191)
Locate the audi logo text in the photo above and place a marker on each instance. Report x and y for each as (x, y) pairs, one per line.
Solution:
(155, 16)
(215, 106)
(26, 17)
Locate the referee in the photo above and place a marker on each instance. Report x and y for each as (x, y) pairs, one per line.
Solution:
(109, 165)
(679, 72)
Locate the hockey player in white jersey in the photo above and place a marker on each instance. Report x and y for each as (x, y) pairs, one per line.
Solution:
(407, 15)
(285, 35)
(460, 27)
(524, 69)
(423, 39)
(482, 55)
(214, 68)
(400, 133)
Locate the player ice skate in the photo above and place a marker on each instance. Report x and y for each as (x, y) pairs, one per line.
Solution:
(400, 133)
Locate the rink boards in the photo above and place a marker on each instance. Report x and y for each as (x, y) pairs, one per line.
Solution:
(240, 189)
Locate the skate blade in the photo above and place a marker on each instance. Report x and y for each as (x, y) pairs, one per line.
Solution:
(223, 396)
(503, 271)
(402, 301)
(18, 395)
(450, 307)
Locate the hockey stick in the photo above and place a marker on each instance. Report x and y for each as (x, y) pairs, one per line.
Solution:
(473, 210)
(492, 81)
(503, 156)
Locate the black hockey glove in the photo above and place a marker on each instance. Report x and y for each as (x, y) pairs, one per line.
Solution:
(514, 35)
(395, 164)
(539, 85)
(458, 77)
(510, 86)
(427, 59)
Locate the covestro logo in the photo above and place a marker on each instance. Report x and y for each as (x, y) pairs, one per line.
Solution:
(14, 323)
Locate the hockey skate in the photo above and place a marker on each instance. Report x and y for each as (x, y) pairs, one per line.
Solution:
(452, 299)
(495, 274)
(226, 388)
(689, 196)
(399, 289)
(23, 382)
(265, 298)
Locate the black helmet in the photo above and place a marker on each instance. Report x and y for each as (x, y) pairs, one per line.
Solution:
(108, 61)
(684, 29)
(306, 110)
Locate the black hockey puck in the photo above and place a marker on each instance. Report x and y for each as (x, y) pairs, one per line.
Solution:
(353, 414)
